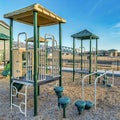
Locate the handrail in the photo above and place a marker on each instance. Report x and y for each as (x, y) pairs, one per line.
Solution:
(95, 82)
(22, 33)
(83, 83)
(18, 52)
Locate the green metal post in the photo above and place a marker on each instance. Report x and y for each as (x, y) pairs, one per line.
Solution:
(38, 42)
(96, 57)
(81, 54)
(60, 54)
(47, 57)
(64, 112)
(90, 61)
(11, 43)
(96, 53)
(73, 59)
(4, 54)
(35, 63)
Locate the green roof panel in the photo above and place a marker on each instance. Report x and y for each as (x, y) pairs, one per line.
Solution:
(84, 34)
(4, 37)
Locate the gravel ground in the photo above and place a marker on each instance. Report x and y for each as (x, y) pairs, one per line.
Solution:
(108, 102)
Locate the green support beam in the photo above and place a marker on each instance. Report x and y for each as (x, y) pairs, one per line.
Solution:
(73, 59)
(60, 53)
(38, 42)
(11, 44)
(90, 60)
(4, 54)
(47, 57)
(35, 63)
(96, 53)
(81, 54)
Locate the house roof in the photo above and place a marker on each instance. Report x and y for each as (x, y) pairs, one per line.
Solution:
(84, 34)
(4, 37)
(25, 15)
(112, 50)
(4, 24)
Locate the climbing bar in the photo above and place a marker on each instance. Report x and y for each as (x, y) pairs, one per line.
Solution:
(83, 82)
(95, 86)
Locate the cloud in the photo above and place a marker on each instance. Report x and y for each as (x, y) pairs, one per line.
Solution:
(116, 33)
(95, 6)
(117, 25)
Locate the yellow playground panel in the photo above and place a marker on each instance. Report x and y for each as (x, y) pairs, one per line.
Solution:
(18, 61)
(19, 58)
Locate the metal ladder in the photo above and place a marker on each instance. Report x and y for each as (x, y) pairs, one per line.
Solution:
(17, 81)
(21, 103)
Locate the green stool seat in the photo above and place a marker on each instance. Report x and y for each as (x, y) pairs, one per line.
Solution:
(6, 72)
(88, 105)
(58, 90)
(64, 101)
(109, 85)
(80, 104)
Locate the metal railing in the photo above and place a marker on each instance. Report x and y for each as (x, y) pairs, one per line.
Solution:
(95, 87)
(83, 82)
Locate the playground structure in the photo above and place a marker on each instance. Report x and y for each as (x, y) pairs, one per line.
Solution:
(92, 63)
(36, 73)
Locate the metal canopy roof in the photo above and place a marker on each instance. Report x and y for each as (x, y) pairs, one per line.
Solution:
(25, 15)
(4, 37)
(85, 34)
(31, 39)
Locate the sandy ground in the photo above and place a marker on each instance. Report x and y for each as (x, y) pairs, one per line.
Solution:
(108, 101)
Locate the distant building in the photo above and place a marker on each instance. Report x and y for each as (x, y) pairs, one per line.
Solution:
(113, 52)
(4, 28)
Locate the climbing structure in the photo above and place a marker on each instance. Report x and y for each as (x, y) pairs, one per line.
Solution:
(37, 16)
(92, 57)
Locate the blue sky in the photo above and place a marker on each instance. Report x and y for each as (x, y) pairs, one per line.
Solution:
(101, 17)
